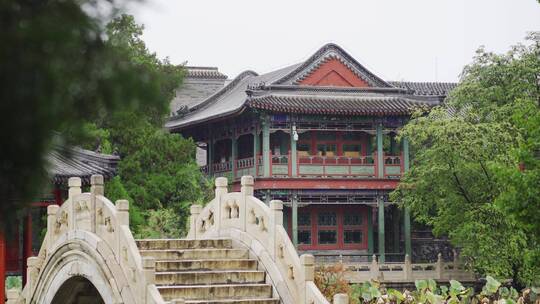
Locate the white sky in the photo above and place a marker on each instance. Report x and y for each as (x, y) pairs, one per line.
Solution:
(416, 40)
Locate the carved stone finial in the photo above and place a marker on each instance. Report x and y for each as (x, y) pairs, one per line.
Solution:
(276, 205)
(96, 180)
(74, 182)
(122, 205)
(221, 182)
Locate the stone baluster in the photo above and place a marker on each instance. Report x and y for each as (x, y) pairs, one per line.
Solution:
(307, 262)
(96, 185)
(374, 268)
(149, 269)
(74, 184)
(247, 192)
(439, 267)
(221, 191)
(247, 185)
(96, 188)
(12, 296)
(195, 211)
(32, 271)
(407, 268)
(276, 212)
(52, 210)
(341, 298)
(149, 274)
(122, 212)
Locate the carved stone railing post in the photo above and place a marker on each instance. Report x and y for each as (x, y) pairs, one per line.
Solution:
(12, 296)
(439, 267)
(221, 191)
(149, 269)
(374, 268)
(341, 298)
(96, 185)
(195, 211)
(122, 215)
(246, 190)
(276, 209)
(407, 268)
(32, 271)
(52, 210)
(96, 188)
(74, 184)
(307, 262)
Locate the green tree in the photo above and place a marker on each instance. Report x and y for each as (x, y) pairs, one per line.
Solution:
(157, 171)
(58, 72)
(466, 180)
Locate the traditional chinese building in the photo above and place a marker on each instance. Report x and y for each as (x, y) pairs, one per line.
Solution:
(319, 135)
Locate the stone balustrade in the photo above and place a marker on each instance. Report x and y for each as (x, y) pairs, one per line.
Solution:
(247, 220)
(89, 236)
(407, 271)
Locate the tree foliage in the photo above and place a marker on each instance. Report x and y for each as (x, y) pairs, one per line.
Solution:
(467, 179)
(58, 71)
(157, 171)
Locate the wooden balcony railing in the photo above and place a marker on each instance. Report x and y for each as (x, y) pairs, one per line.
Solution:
(312, 166)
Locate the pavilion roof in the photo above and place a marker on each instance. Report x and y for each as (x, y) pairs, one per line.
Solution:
(285, 90)
(66, 162)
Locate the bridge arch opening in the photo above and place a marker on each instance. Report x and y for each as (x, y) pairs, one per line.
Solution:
(77, 290)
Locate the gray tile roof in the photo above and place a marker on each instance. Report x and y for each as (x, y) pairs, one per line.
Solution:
(204, 72)
(426, 88)
(336, 105)
(76, 162)
(261, 91)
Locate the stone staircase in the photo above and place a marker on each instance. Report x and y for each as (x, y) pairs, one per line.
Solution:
(207, 271)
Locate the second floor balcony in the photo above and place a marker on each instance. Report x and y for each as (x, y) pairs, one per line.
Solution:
(309, 154)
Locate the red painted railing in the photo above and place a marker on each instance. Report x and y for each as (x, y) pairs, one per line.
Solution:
(328, 163)
(222, 167)
(392, 165)
(244, 163)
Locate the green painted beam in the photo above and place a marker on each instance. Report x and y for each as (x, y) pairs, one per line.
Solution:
(295, 221)
(407, 231)
(407, 213)
(405, 154)
(395, 228)
(266, 147)
(380, 205)
(211, 155)
(380, 161)
(234, 153)
(370, 233)
(294, 166)
(256, 144)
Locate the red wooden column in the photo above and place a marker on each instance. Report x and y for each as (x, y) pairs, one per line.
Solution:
(2, 266)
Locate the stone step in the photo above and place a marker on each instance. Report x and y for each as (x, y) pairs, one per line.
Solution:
(210, 277)
(154, 244)
(190, 254)
(208, 264)
(238, 301)
(216, 292)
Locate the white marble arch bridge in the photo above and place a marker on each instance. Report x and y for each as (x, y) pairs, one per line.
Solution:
(89, 255)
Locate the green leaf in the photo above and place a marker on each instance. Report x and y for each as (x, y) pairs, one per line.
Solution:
(421, 285)
(492, 285)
